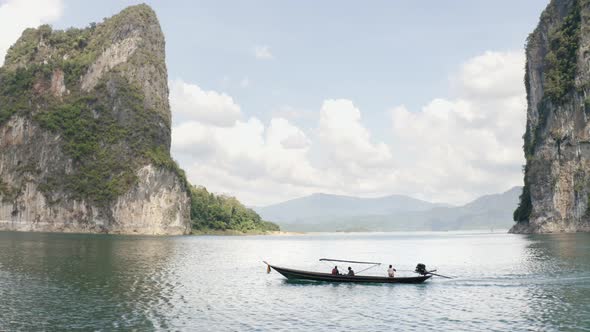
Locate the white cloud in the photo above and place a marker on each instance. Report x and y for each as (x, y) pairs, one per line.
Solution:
(17, 15)
(247, 152)
(262, 52)
(191, 103)
(451, 150)
(345, 139)
(456, 148)
(493, 75)
(289, 136)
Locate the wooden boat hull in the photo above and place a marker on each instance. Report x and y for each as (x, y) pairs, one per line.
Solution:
(317, 276)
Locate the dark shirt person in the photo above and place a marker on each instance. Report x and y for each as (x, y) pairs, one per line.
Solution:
(350, 271)
(335, 270)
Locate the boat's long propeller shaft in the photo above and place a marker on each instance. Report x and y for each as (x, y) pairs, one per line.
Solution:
(440, 275)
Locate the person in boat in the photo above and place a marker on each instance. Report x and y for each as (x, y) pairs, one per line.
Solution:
(350, 272)
(391, 271)
(335, 270)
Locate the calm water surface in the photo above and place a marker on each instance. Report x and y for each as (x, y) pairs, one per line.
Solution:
(507, 282)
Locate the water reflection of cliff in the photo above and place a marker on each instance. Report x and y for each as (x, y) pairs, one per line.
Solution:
(68, 278)
(559, 284)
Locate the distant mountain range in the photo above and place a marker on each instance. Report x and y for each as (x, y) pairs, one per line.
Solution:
(329, 213)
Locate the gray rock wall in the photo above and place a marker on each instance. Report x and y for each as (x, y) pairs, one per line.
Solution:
(558, 173)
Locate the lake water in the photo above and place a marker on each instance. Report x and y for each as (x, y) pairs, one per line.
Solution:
(91, 282)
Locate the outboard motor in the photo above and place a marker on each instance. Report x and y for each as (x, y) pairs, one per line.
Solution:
(421, 269)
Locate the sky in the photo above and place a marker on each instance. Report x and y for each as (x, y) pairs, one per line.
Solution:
(274, 100)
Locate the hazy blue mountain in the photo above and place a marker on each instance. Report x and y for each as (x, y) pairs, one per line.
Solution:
(322, 212)
(319, 206)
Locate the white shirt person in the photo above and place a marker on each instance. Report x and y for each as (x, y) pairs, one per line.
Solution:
(391, 271)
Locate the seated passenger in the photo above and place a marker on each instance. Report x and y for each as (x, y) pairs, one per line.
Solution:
(391, 271)
(335, 270)
(350, 271)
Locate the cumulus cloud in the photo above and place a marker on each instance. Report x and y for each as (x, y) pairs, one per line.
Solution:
(470, 144)
(191, 103)
(254, 161)
(345, 139)
(493, 75)
(17, 15)
(450, 150)
(262, 52)
(288, 135)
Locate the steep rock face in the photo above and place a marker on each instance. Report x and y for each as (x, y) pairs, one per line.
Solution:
(556, 196)
(85, 131)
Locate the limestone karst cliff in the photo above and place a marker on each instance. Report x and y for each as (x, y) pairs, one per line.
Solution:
(556, 196)
(85, 131)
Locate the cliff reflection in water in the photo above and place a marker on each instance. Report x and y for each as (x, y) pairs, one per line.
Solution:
(66, 279)
(560, 282)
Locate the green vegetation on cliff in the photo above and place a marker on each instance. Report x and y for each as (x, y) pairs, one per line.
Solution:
(91, 138)
(218, 212)
(562, 57)
(15, 89)
(525, 207)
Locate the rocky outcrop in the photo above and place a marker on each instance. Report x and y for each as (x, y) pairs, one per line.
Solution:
(85, 131)
(556, 196)
(116, 54)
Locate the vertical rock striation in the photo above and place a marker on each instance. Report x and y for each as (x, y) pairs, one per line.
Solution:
(556, 196)
(85, 131)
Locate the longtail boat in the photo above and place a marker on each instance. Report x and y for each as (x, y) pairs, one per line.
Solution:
(292, 274)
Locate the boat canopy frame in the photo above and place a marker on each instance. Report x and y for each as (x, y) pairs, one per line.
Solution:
(373, 264)
(345, 261)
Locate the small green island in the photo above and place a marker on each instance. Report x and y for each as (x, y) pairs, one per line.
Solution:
(219, 214)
